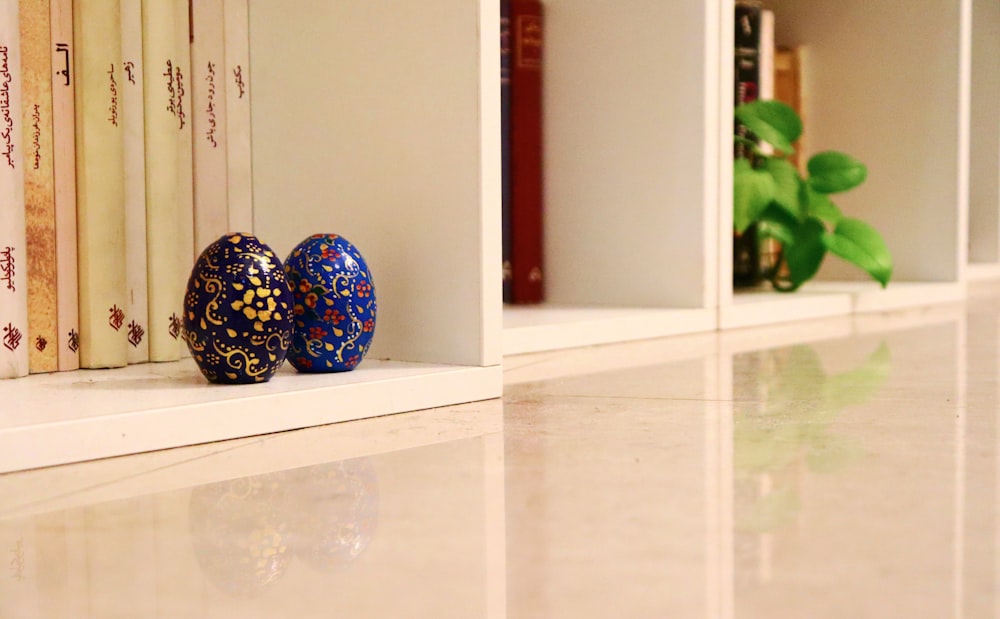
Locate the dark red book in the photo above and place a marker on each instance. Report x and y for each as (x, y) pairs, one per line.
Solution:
(527, 189)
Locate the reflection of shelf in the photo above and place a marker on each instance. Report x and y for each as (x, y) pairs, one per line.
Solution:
(73, 416)
(89, 483)
(549, 327)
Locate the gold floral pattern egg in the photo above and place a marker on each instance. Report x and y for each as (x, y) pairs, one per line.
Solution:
(238, 311)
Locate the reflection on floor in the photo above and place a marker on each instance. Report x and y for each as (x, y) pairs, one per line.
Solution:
(841, 468)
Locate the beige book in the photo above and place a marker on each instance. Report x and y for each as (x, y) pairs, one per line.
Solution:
(64, 172)
(164, 112)
(135, 182)
(239, 160)
(100, 183)
(39, 186)
(208, 64)
(14, 341)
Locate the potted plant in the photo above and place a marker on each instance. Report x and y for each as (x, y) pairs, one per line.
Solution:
(769, 191)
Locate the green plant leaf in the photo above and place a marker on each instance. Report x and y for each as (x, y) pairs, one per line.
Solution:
(806, 254)
(787, 185)
(773, 122)
(753, 190)
(833, 172)
(777, 223)
(820, 206)
(859, 243)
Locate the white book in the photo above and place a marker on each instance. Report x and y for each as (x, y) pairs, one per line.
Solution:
(137, 311)
(208, 60)
(240, 163)
(14, 340)
(163, 113)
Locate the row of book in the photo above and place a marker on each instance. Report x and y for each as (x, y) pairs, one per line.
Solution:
(125, 131)
(765, 71)
(522, 44)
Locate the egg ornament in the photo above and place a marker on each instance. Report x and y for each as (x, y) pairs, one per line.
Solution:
(238, 311)
(334, 304)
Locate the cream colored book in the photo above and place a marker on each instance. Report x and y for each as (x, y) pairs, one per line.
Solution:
(64, 172)
(208, 63)
(239, 160)
(14, 340)
(135, 182)
(39, 187)
(100, 183)
(164, 110)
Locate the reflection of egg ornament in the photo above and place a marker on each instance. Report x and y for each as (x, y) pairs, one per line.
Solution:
(334, 304)
(240, 536)
(337, 506)
(238, 311)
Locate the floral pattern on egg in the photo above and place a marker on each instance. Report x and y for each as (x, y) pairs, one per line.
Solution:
(334, 304)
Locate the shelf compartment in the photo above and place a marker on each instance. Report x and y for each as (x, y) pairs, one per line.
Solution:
(365, 126)
(530, 329)
(89, 414)
(631, 167)
(869, 109)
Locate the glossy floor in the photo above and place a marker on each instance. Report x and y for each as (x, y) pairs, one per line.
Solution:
(847, 468)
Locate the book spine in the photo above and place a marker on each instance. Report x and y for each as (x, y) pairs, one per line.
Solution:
(746, 250)
(137, 310)
(770, 248)
(163, 114)
(39, 189)
(239, 160)
(185, 152)
(63, 74)
(13, 251)
(100, 172)
(208, 60)
(528, 29)
(185, 167)
(505, 154)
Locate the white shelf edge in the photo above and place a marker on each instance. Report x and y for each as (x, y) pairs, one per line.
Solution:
(529, 329)
(869, 297)
(760, 308)
(90, 483)
(543, 366)
(289, 402)
(982, 271)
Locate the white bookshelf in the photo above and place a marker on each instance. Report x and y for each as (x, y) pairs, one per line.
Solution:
(631, 167)
(907, 117)
(378, 122)
(382, 123)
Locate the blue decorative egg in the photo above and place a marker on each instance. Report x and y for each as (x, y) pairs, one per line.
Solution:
(334, 304)
(238, 311)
